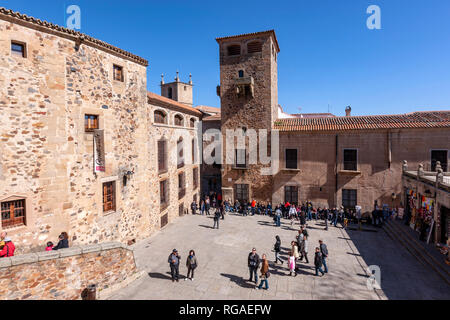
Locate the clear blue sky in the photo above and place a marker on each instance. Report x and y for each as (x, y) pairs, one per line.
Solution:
(328, 56)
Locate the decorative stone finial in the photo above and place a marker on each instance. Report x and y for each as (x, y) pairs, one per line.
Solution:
(190, 79)
(177, 79)
(162, 78)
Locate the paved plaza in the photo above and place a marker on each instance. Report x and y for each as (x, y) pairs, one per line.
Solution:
(222, 256)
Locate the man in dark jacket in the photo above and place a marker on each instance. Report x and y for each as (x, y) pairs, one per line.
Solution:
(318, 262)
(324, 252)
(216, 218)
(253, 265)
(174, 262)
(62, 243)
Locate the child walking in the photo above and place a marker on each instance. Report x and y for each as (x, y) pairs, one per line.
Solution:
(292, 264)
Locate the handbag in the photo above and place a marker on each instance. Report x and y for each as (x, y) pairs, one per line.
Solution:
(267, 274)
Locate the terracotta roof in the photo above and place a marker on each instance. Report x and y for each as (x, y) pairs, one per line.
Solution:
(313, 115)
(427, 119)
(208, 109)
(253, 34)
(216, 117)
(164, 102)
(30, 22)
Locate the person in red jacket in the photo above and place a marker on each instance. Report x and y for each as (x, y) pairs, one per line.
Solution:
(8, 249)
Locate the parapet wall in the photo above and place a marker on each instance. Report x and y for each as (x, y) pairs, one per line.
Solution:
(65, 273)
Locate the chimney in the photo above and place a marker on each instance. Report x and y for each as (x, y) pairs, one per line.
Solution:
(348, 111)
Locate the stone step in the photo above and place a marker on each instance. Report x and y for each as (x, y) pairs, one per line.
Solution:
(420, 253)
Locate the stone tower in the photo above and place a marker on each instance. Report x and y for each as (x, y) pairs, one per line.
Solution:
(249, 100)
(177, 90)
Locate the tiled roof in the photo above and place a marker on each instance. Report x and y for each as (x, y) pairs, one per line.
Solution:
(428, 119)
(216, 117)
(253, 34)
(313, 115)
(30, 22)
(208, 109)
(164, 102)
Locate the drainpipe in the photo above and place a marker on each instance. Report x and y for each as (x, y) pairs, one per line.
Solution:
(336, 171)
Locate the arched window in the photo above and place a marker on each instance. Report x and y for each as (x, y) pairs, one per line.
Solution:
(160, 117)
(180, 153)
(192, 123)
(179, 120)
(234, 50)
(254, 46)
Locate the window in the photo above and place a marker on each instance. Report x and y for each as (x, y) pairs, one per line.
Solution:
(439, 155)
(291, 158)
(241, 161)
(13, 213)
(195, 178)
(192, 123)
(109, 196)
(254, 46)
(164, 220)
(349, 198)
(18, 49)
(241, 193)
(90, 122)
(180, 155)
(163, 194)
(350, 159)
(160, 117)
(181, 185)
(117, 73)
(162, 156)
(241, 73)
(169, 93)
(193, 151)
(178, 120)
(181, 210)
(291, 194)
(234, 50)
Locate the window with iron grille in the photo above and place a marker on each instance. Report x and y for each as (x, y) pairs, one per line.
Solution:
(241, 161)
(441, 156)
(241, 193)
(18, 49)
(181, 185)
(350, 159)
(254, 46)
(195, 177)
(180, 153)
(162, 156)
(291, 158)
(109, 196)
(117, 73)
(178, 120)
(160, 117)
(90, 122)
(163, 194)
(13, 213)
(234, 50)
(291, 194)
(349, 199)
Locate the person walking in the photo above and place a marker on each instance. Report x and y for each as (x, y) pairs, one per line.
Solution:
(318, 262)
(194, 207)
(292, 264)
(304, 249)
(174, 262)
(191, 264)
(324, 252)
(264, 273)
(278, 216)
(253, 265)
(202, 207)
(207, 206)
(216, 218)
(277, 249)
(292, 214)
(294, 249)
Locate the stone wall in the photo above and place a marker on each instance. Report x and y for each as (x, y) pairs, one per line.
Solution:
(65, 273)
(376, 178)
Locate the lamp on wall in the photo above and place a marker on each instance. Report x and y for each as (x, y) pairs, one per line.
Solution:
(127, 176)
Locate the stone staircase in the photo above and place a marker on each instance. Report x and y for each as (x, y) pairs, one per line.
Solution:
(425, 253)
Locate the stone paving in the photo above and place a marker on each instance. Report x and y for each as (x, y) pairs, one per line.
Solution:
(222, 256)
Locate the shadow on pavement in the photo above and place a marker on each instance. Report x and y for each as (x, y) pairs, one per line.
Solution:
(160, 275)
(238, 280)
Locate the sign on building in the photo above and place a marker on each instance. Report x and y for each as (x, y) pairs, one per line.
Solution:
(99, 151)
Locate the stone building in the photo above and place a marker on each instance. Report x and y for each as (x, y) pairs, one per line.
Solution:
(329, 160)
(58, 90)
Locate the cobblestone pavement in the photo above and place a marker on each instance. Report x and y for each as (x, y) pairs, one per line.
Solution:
(222, 256)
